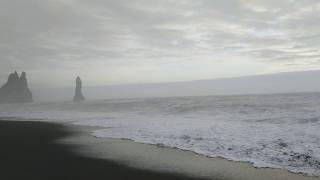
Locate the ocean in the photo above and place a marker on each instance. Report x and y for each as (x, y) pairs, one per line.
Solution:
(277, 131)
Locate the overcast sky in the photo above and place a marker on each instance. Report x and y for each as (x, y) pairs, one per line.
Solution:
(141, 41)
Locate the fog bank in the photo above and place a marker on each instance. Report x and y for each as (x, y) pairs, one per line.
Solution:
(307, 81)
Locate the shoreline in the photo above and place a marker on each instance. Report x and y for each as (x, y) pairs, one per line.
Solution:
(76, 141)
(173, 160)
(31, 150)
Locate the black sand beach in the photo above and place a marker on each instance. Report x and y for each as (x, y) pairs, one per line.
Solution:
(28, 152)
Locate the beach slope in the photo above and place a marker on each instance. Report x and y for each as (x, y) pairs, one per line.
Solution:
(29, 150)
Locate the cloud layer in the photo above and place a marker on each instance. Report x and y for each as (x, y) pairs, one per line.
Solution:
(132, 41)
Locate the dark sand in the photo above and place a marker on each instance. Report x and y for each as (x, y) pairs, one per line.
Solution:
(28, 151)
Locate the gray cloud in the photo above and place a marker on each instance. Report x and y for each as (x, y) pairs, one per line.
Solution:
(122, 41)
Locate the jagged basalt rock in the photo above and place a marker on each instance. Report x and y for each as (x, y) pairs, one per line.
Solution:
(78, 96)
(16, 89)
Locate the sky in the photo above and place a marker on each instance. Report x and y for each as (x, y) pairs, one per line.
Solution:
(109, 42)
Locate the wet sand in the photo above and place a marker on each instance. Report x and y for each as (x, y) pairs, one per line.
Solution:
(41, 150)
(170, 160)
(29, 151)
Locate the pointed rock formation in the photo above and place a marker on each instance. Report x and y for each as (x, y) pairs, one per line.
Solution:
(78, 96)
(16, 89)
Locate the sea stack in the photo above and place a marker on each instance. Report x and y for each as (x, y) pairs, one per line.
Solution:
(78, 96)
(16, 89)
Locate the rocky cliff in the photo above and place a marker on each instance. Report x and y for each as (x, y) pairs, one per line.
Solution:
(78, 97)
(16, 89)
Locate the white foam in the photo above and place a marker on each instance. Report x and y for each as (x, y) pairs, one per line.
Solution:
(279, 131)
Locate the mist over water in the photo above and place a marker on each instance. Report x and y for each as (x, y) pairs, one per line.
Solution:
(172, 50)
(292, 82)
(280, 131)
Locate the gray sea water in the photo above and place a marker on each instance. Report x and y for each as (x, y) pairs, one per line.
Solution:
(278, 131)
